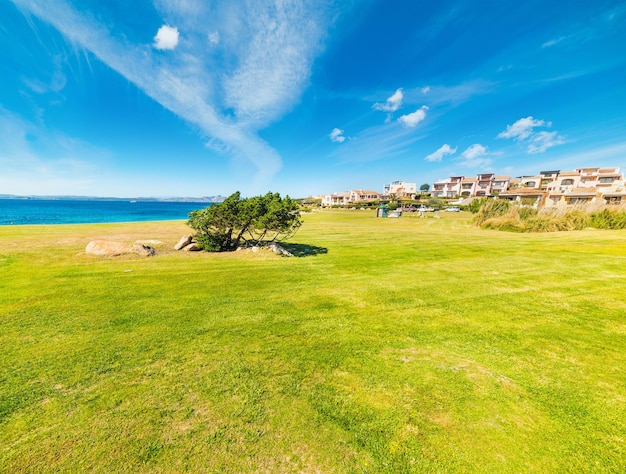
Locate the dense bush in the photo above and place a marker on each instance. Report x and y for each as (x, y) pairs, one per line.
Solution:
(502, 215)
(491, 208)
(475, 205)
(436, 203)
(609, 219)
(222, 227)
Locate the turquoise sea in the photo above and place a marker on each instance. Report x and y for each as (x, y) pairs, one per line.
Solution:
(35, 212)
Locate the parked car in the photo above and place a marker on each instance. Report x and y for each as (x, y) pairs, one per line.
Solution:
(453, 209)
(425, 209)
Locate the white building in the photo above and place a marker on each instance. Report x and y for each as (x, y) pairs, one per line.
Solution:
(353, 196)
(400, 188)
(335, 199)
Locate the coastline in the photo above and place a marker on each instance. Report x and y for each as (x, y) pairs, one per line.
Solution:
(53, 212)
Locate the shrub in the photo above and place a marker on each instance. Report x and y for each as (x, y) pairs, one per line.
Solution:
(609, 219)
(475, 205)
(495, 215)
(223, 226)
(491, 208)
(436, 203)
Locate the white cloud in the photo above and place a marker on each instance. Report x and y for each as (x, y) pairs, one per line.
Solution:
(214, 37)
(392, 104)
(264, 65)
(166, 38)
(411, 120)
(337, 136)
(541, 141)
(441, 152)
(522, 129)
(425, 90)
(474, 151)
(538, 142)
(476, 156)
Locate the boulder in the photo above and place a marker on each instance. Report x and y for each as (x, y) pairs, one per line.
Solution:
(143, 250)
(183, 242)
(192, 247)
(106, 248)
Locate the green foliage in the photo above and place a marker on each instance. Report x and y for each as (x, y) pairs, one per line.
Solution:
(425, 187)
(268, 218)
(609, 218)
(490, 209)
(501, 215)
(436, 203)
(475, 205)
(526, 212)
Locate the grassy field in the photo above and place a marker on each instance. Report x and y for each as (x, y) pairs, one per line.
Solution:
(392, 345)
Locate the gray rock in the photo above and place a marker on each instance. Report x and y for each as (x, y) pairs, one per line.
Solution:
(277, 249)
(183, 242)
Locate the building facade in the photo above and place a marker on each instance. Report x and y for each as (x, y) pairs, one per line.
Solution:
(400, 189)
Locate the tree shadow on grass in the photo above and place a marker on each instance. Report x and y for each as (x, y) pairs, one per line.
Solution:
(303, 250)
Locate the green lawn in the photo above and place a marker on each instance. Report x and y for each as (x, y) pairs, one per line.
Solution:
(393, 345)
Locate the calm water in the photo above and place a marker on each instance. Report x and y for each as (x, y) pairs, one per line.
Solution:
(21, 211)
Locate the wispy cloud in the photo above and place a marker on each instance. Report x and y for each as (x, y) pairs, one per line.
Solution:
(452, 95)
(381, 142)
(524, 131)
(69, 164)
(266, 53)
(541, 141)
(443, 151)
(554, 42)
(411, 120)
(213, 37)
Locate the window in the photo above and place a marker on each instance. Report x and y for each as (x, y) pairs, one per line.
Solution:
(567, 182)
(530, 184)
(606, 179)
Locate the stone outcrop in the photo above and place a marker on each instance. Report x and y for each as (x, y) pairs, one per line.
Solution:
(143, 250)
(192, 247)
(183, 242)
(105, 248)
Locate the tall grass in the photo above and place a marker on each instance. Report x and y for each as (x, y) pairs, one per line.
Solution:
(502, 215)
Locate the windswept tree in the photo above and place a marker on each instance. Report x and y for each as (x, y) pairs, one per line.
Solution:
(255, 220)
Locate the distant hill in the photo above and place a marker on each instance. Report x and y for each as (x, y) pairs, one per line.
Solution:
(217, 198)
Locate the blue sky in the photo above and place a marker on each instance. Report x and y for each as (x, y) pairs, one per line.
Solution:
(199, 97)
